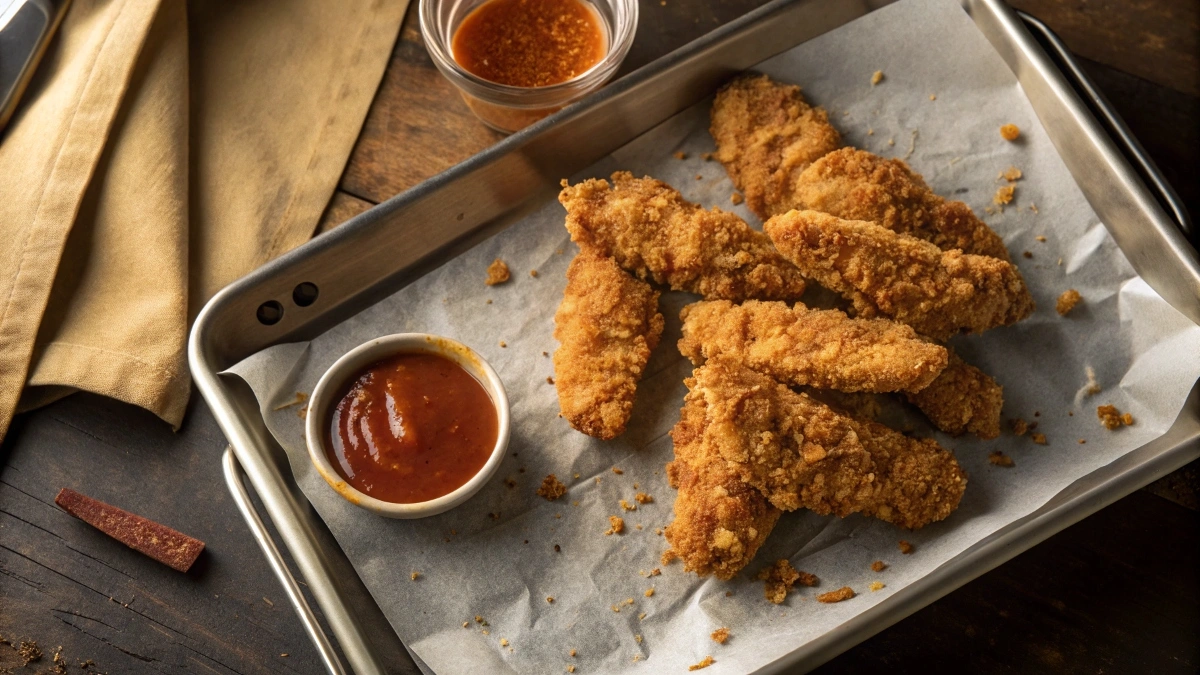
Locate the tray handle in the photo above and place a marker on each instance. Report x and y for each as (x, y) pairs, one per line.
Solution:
(1112, 122)
(241, 496)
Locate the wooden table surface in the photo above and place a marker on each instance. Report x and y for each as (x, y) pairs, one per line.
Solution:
(1118, 592)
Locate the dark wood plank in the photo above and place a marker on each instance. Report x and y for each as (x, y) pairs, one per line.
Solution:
(1157, 41)
(342, 207)
(64, 583)
(1116, 593)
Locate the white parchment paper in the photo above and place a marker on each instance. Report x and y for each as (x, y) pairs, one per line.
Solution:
(944, 94)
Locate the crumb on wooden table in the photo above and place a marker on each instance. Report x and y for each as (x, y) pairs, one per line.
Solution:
(720, 635)
(497, 273)
(905, 547)
(878, 566)
(704, 663)
(1010, 132)
(1040, 439)
(1067, 301)
(616, 525)
(551, 488)
(643, 498)
(843, 593)
(778, 579)
(876, 586)
(1019, 426)
(876, 77)
(1000, 459)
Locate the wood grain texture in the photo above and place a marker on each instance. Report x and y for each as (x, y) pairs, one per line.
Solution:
(342, 207)
(1156, 40)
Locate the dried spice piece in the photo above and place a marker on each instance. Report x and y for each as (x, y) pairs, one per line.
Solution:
(169, 547)
(1067, 301)
(551, 488)
(497, 273)
(720, 635)
(843, 593)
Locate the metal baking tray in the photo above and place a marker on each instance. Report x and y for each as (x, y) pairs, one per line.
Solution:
(394, 243)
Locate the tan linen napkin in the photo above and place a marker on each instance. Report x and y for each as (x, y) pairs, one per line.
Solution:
(160, 153)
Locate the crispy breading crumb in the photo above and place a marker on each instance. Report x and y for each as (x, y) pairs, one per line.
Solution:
(643, 498)
(1040, 238)
(1011, 174)
(628, 601)
(616, 609)
(627, 506)
(550, 599)
(1067, 301)
(641, 616)
(1027, 254)
(1000, 459)
(617, 525)
(572, 653)
(891, 141)
(503, 344)
(617, 471)
(551, 488)
(549, 380)
(654, 572)
(933, 97)
(503, 642)
(876, 77)
(843, 593)
(905, 547)
(679, 154)
(704, 663)
(1112, 418)
(778, 580)
(1019, 426)
(545, 353)
(878, 566)
(466, 623)
(557, 548)
(414, 575)
(1082, 441)
(1092, 387)
(720, 635)
(875, 586)
(699, 177)
(533, 273)
(497, 273)
(1004, 194)
(1127, 419)
(571, 668)
(637, 639)
(736, 198)
(1040, 439)
(649, 592)
(1010, 132)
(807, 579)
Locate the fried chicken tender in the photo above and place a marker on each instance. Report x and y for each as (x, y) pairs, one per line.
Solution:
(939, 293)
(801, 346)
(607, 324)
(650, 230)
(963, 398)
(720, 521)
(857, 185)
(800, 453)
(766, 134)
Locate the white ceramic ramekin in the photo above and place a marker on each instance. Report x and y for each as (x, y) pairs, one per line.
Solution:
(325, 397)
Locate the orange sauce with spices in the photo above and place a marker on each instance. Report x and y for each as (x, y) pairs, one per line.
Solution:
(530, 43)
(412, 428)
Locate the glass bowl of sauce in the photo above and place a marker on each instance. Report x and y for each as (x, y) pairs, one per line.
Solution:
(517, 61)
(408, 425)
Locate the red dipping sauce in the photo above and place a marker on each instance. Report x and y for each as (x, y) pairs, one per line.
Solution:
(412, 428)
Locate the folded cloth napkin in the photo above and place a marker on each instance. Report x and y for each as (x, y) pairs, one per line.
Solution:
(163, 150)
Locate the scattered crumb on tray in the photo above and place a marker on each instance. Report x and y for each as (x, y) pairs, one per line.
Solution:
(626, 506)
(414, 575)
(1067, 301)
(571, 668)
(736, 198)
(617, 471)
(1040, 439)
(933, 97)
(778, 580)
(497, 273)
(1011, 174)
(1000, 459)
(1027, 254)
(1004, 194)
(617, 525)
(550, 599)
(876, 77)
(679, 154)
(533, 273)
(843, 593)
(704, 663)
(503, 642)
(878, 566)
(503, 344)
(551, 488)
(876, 586)
(1040, 238)
(649, 593)
(643, 498)
(549, 380)
(1019, 426)
(720, 635)
(1010, 132)
(905, 547)
(1112, 418)
(1092, 387)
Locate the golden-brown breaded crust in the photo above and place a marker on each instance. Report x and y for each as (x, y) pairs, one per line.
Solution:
(720, 521)
(939, 293)
(963, 398)
(857, 185)
(802, 346)
(801, 453)
(650, 230)
(766, 134)
(607, 324)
